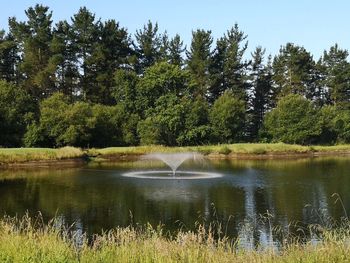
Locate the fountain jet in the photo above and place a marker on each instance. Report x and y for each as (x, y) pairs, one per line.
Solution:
(174, 160)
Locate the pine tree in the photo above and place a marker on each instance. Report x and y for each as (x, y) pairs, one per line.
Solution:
(176, 50)
(33, 38)
(229, 70)
(84, 35)
(261, 93)
(149, 46)
(111, 52)
(8, 58)
(63, 49)
(294, 72)
(199, 59)
(337, 75)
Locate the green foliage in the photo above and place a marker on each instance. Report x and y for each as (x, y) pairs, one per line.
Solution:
(149, 47)
(15, 107)
(337, 75)
(113, 87)
(159, 80)
(164, 123)
(227, 118)
(79, 124)
(197, 130)
(294, 120)
(34, 37)
(199, 60)
(295, 72)
(229, 70)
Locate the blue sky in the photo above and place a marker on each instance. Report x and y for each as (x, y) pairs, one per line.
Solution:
(316, 25)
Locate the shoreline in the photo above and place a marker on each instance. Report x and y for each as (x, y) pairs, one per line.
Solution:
(72, 157)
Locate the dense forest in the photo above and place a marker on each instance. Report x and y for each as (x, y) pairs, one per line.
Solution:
(91, 83)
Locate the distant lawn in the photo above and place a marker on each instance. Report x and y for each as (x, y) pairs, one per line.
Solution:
(18, 155)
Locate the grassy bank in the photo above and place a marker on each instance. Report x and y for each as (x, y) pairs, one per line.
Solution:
(229, 150)
(239, 150)
(25, 241)
(20, 155)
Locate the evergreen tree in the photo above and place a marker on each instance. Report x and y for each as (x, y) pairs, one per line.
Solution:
(84, 35)
(63, 49)
(217, 78)
(150, 46)
(294, 72)
(229, 70)
(34, 37)
(199, 60)
(111, 52)
(8, 57)
(235, 69)
(337, 75)
(261, 93)
(176, 50)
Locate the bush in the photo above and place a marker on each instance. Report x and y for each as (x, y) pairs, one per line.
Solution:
(227, 118)
(294, 120)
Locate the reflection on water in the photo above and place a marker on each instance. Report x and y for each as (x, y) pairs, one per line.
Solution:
(250, 200)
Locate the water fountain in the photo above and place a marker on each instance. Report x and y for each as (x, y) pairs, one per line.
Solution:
(173, 161)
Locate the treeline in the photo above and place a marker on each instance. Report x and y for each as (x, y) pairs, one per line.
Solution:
(90, 83)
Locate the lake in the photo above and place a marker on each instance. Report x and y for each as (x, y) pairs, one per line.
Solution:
(251, 200)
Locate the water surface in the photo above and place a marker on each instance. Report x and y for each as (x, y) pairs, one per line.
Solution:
(97, 196)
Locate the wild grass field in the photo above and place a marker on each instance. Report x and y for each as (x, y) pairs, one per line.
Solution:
(17, 155)
(29, 240)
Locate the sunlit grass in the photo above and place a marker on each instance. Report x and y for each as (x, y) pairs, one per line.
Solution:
(228, 149)
(27, 240)
(16, 155)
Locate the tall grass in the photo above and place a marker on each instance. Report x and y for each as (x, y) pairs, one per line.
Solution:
(16, 155)
(228, 149)
(28, 240)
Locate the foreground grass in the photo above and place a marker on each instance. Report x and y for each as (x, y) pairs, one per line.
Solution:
(227, 149)
(23, 241)
(17, 155)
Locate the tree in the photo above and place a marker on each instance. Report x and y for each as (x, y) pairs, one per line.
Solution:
(261, 94)
(199, 60)
(84, 35)
(227, 118)
(124, 90)
(164, 123)
(34, 39)
(229, 70)
(294, 120)
(64, 56)
(160, 79)
(15, 111)
(111, 52)
(150, 46)
(294, 72)
(8, 57)
(337, 75)
(197, 130)
(176, 50)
